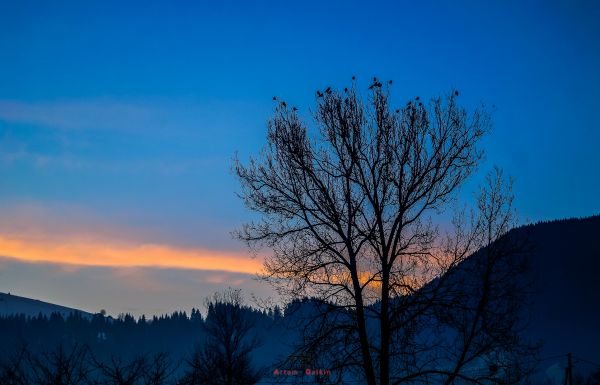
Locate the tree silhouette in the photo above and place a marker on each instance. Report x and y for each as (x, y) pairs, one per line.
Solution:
(349, 208)
(13, 367)
(225, 356)
(119, 371)
(160, 369)
(62, 366)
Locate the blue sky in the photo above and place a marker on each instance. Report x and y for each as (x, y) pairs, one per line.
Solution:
(118, 122)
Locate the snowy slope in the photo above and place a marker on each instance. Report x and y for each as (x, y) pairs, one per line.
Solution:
(13, 304)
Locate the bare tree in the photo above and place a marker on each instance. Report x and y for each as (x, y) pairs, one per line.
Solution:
(60, 367)
(13, 366)
(225, 357)
(160, 369)
(348, 207)
(119, 371)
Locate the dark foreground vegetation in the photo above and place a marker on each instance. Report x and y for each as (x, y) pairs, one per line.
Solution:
(174, 349)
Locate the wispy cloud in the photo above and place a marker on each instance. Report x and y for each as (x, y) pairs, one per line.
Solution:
(91, 253)
(131, 115)
(83, 114)
(137, 290)
(74, 236)
(124, 136)
(80, 163)
(69, 255)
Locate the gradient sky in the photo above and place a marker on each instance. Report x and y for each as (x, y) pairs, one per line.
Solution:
(118, 123)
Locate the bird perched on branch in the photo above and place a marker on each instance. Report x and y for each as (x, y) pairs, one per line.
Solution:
(375, 84)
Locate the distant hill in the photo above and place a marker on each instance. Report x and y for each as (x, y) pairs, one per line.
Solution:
(13, 304)
(563, 309)
(564, 272)
(566, 281)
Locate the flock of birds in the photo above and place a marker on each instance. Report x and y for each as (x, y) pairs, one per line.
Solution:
(376, 84)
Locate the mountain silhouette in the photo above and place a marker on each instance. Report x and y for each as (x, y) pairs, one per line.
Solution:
(14, 304)
(565, 272)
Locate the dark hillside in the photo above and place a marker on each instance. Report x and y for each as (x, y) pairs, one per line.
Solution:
(566, 282)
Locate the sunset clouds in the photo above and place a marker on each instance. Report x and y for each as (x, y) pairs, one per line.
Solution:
(76, 257)
(92, 253)
(70, 235)
(136, 290)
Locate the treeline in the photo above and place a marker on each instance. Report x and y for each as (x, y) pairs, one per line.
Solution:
(176, 333)
(126, 336)
(170, 349)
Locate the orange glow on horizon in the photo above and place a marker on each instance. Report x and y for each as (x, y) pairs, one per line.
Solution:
(97, 253)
